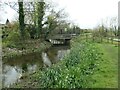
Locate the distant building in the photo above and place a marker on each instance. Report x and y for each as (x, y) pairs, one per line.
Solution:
(7, 22)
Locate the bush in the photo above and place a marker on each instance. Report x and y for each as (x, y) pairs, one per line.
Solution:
(11, 39)
(14, 36)
(11, 36)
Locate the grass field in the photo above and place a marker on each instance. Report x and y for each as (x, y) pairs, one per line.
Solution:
(107, 75)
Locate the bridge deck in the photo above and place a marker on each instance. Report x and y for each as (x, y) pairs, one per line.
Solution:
(62, 36)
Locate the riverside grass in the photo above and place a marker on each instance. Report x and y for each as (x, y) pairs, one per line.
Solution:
(89, 65)
(74, 71)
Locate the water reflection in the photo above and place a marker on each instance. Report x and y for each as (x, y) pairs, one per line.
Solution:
(32, 68)
(62, 53)
(46, 59)
(14, 68)
(11, 75)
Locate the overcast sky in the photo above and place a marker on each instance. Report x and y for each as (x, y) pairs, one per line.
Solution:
(85, 13)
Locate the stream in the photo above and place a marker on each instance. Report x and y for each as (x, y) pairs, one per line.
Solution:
(15, 68)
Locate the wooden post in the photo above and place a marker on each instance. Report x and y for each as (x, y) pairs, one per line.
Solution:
(93, 39)
(112, 39)
(86, 38)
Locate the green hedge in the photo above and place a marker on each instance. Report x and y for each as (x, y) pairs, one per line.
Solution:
(74, 71)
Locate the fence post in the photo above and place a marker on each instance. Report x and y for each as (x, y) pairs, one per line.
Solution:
(86, 38)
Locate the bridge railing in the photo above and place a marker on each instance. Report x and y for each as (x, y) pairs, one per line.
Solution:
(61, 36)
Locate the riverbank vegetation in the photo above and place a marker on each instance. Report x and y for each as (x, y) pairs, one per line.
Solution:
(75, 70)
(91, 63)
(29, 33)
(13, 46)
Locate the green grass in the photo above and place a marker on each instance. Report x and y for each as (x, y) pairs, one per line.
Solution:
(73, 71)
(107, 75)
(93, 65)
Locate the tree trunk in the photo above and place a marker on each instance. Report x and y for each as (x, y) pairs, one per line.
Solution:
(40, 11)
(21, 18)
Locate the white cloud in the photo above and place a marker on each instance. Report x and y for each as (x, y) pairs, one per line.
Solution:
(88, 13)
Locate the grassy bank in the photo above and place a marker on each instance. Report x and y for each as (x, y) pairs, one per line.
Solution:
(89, 65)
(23, 47)
(107, 75)
(74, 71)
(93, 65)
